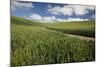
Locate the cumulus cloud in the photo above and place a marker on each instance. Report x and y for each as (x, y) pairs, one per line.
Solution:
(57, 10)
(16, 4)
(40, 18)
(81, 10)
(60, 20)
(36, 17)
(67, 10)
(70, 10)
(49, 19)
(76, 19)
(52, 19)
(71, 19)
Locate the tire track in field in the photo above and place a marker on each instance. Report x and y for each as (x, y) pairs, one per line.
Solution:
(82, 37)
(76, 36)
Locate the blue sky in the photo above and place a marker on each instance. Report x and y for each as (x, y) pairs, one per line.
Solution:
(52, 12)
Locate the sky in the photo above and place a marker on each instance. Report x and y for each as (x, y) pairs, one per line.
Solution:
(52, 12)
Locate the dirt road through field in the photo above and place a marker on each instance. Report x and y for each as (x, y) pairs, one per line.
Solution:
(76, 36)
(81, 37)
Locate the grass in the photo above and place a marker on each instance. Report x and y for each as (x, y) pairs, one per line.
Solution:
(33, 45)
(25, 22)
(82, 28)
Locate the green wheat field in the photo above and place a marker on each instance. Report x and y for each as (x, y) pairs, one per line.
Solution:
(34, 43)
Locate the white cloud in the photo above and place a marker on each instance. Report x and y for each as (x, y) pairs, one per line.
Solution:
(71, 19)
(91, 7)
(60, 20)
(49, 19)
(76, 19)
(36, 17)
(57, 10)
(40, 18)
(16, 4)
(70, 9)
(45, 19)
(81, 10)
(66, 10)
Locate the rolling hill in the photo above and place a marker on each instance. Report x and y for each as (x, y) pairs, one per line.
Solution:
(32, 43)
(82, 28)
(22, 21)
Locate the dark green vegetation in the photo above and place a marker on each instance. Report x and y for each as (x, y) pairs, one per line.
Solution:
(32, 44)
(83, 28)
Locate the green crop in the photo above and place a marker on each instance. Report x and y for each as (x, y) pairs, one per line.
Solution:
(82, 28)
(33, 45)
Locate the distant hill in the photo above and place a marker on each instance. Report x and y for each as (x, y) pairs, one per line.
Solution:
(73, 22)
(68, 25)
(83, 28)
(22, 21)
